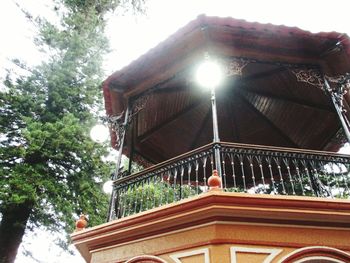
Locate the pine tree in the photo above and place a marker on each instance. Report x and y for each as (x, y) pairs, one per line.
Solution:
(50, 170)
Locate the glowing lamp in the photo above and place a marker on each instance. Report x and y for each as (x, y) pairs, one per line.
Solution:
(209, 74)
(99, 133)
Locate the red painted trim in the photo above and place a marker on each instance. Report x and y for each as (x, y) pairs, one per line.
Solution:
(219, 206)
(317, 251)
(145, 259)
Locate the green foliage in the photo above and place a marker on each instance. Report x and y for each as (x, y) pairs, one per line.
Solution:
(47, 159)
(142, 197)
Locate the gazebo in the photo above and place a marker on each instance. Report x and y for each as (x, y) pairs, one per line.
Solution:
(271, 129)
(283, 87)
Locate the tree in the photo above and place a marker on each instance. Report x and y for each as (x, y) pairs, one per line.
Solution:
(50, 170)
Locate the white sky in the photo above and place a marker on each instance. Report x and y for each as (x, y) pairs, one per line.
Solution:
(132, 36)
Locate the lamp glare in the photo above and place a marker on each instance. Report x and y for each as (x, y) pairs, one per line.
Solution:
(209, 74)
(99, 133)
(108, 187)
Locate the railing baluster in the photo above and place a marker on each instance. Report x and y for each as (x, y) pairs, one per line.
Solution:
(118, 202)
(308, 176)
(336, 178)
(344, 175)
(162, 191)
(291, 180)
(196, 170)
(155, 186)
(174, 184)
(130, 201)
(204, 160)
(231, 156)
(299, 178)
(168, 186)
(319, 186)
(224, 170)
(259, 160)
(250, 160)
(125, 197)
(182, 171)
(326, 175)
(241, 158)
(268, 160)
(189, 170)
(278, 163)
(136, 197)
(148, 193)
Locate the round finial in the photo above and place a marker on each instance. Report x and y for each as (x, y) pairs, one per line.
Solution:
(81, 223)
(214, 181)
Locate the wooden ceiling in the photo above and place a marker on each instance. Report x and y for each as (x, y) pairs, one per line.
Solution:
(264, 105)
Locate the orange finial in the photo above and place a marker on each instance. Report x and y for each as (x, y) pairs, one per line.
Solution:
(214, 181)
(81, 223)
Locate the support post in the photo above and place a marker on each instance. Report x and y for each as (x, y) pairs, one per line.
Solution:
(111, 209)
(216, 138)
(336, 99)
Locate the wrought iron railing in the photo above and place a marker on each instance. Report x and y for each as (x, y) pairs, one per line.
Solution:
(245, 168)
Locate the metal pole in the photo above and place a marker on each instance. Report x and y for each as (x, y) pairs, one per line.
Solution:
(115, 176)
(338, 110)
(216, 134)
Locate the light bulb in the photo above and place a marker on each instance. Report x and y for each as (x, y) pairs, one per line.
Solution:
(209, 74)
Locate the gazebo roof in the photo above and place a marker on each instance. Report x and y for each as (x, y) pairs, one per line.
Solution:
(262, 101)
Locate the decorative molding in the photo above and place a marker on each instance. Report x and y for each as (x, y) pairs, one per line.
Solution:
(273, 252)
(205, 251)
(146, 259)
(305, 260)
(301, 254)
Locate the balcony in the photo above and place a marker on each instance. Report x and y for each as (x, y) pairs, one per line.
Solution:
(250, 169)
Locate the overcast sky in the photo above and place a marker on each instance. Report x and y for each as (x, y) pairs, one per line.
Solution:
(132, 36)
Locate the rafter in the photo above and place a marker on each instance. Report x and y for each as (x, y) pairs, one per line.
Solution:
(267, 120)
(298, 101)
(264, 74)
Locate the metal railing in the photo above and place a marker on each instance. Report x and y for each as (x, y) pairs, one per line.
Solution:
(245, 168)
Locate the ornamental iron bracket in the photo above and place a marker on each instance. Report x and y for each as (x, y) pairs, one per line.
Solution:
(341, 87)
(117, 125)
(310, 76)
(235, 66)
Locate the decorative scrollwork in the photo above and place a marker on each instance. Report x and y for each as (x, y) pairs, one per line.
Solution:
(235, 66)
(310, 76)
(139, 104)
(339, 138)
(116, 124)
(341, 87)
(142, 161)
